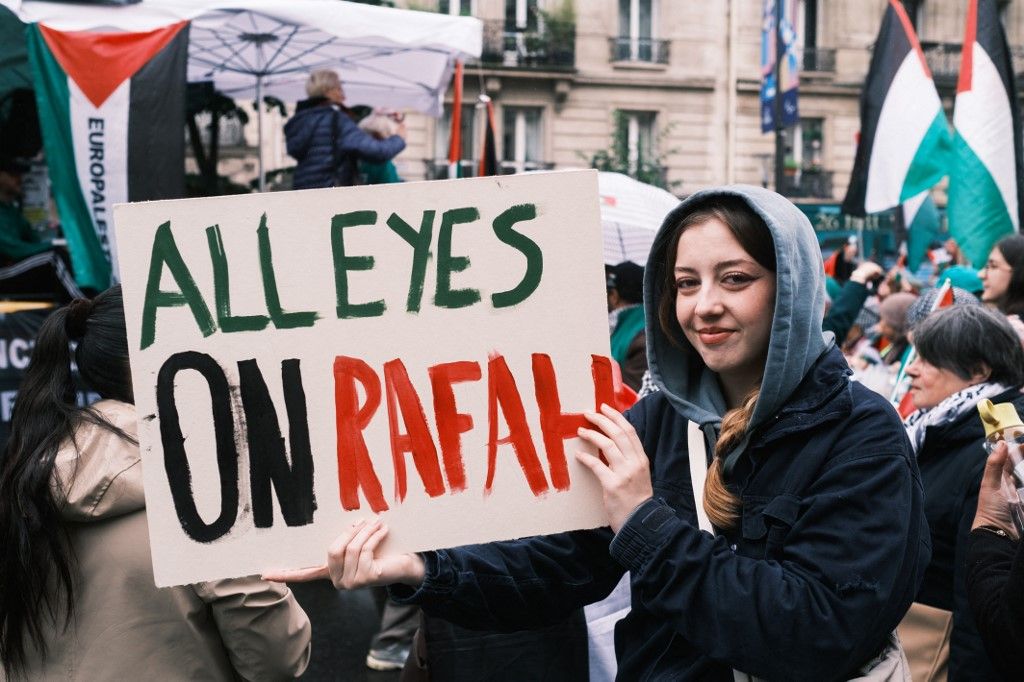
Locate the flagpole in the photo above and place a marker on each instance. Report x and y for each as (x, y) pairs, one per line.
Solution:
(259, 129)
(780, 141)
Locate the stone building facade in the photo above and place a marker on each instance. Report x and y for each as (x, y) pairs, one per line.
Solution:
(686, 76)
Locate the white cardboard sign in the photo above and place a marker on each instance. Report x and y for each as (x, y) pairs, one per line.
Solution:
(421, 351)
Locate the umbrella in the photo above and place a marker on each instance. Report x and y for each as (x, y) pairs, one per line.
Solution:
(389, 58)
(631, 213)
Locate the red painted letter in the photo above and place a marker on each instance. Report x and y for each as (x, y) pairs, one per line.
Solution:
(355, 470)
(451, 423)
(556, 425)
(501, 389)
(402, 397)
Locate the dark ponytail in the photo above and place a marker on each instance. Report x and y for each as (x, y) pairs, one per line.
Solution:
(36, 560)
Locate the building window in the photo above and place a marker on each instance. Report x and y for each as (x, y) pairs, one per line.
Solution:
(811, 135)
(636, 30)
(637, 130)
(522, 139)
(807, 23)
(470, 143)
(915, 10)
(456, 7)
(520, 15)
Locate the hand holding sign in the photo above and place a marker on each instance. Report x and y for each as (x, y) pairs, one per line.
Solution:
(625, 473)
(352, 562)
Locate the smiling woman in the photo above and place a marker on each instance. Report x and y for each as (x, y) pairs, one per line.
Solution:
(816, 541)
(966, 354)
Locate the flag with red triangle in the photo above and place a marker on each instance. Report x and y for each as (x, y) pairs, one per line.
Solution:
(112, 113)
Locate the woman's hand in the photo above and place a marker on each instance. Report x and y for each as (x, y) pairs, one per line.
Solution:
(625, 473)
(993, 496)
(351, 562)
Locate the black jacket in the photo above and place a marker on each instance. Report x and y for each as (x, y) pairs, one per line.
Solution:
(951, 461)
(995, 588)
(808, 588)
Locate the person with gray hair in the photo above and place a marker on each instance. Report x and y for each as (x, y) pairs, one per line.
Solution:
(326, 143)
(966, 353)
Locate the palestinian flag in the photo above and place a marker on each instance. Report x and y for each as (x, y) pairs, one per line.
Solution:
(904, 142)
(921, 221)
(985, 193)
(112, 112)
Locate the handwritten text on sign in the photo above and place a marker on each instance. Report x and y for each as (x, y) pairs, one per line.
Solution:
(304, 359)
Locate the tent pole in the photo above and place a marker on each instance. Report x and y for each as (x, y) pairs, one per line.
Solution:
(259, 130)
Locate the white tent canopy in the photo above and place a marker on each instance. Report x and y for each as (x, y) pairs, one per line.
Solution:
(391, 58)
(631, 213)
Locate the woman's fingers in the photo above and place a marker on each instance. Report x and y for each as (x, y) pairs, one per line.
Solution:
(604, 475)
(603, 443)
(995, 465)
(354, 555)
(298, 575)
(620, 420)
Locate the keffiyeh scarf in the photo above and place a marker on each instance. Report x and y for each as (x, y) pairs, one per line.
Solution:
(948, 411)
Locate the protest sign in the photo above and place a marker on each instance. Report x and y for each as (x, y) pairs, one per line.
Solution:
(302, 360)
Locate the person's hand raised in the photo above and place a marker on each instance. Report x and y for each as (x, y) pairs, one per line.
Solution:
(993, 495)
(401, 132)
(352, 562)
(625, 473)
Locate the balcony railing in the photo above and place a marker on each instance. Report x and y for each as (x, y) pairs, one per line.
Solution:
(437, 169)
(625, 49)
(819, 59)
(552, 46)
(809, 183)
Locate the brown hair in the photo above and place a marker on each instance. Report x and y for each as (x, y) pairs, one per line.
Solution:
(720, 503)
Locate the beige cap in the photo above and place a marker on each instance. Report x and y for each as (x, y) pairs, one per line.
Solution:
(998, 417)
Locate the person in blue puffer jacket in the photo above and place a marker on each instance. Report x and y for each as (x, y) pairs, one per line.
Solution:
(326, 143)
(805, 544)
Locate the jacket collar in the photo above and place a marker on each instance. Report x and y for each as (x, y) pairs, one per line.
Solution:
(823, 396)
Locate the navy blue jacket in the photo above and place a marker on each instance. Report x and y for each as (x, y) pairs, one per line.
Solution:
(825, 562)
(951, 461)
(328, 145)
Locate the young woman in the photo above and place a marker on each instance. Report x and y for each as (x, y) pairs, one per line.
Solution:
(1003, 276)
(965, 354)
(77, 599)
(819, 537)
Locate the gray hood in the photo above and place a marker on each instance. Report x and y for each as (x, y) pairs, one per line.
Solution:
(796, 338)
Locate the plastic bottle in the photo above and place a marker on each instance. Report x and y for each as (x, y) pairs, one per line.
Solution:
(1002, 423)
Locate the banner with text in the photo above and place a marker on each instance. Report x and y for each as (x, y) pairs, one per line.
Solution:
(420, 351)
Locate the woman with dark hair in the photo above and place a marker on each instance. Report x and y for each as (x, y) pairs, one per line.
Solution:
(78, 599)
(792, 556)
(1003, 276)
(964, 354)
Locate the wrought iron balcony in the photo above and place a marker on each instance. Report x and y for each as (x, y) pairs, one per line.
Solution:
(808, 183)
(650, 50)
(550, 46)
(819, 59)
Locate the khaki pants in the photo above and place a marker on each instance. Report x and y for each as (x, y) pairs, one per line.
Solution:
(925, 632)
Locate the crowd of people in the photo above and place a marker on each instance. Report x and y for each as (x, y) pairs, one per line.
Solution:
(801, 491)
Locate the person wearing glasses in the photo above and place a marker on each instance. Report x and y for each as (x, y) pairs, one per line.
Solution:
(1003, 280)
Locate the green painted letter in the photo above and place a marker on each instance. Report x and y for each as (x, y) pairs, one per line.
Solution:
(445, 296)
(420, 243)
(222, 289)
(343, 263)
(517, 240)
(165, 251)
(280, 318)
